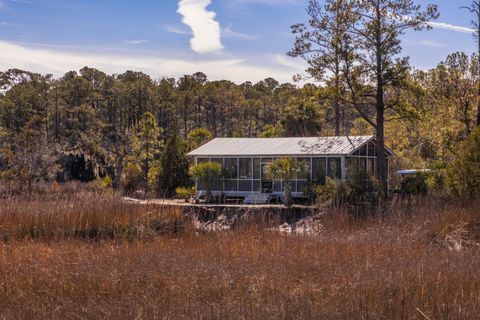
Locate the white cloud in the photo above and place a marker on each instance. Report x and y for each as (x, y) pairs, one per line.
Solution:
(447, 26)
(57, 60)
(206, 31)
(177, 30)
(137, 41)
(229, 33)
(432, 43)
(296, 65)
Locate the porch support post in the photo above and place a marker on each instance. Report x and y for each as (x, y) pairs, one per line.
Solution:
(343, 168)
(196, 182)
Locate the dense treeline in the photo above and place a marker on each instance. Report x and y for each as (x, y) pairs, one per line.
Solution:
(88, 124)
(134, 131)
(116, 125)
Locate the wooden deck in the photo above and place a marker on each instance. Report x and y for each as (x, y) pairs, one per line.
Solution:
(181, 203)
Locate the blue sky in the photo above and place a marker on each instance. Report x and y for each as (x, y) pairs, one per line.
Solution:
(237, 40)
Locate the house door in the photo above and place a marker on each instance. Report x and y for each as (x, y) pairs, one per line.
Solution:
(267, 184)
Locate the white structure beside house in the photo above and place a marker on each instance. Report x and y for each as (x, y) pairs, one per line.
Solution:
(244, 162)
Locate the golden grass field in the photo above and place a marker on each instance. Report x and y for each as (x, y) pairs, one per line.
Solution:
(91, 256)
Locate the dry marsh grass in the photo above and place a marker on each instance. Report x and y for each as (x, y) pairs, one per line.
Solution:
(398, 266)
(85, 215)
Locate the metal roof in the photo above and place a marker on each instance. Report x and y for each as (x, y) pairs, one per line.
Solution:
(281, 146)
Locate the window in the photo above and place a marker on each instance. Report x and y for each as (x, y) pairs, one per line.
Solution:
(334, 168)
(245, 168)
(230, 169)
(319, 169)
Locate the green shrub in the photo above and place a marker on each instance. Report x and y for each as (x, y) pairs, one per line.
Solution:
(132, 179)
(362, 189)
(103, 184)
(106, 182)
(464, 173)
(184, 193)
(436, 180)
(415, 184)
(333, 193)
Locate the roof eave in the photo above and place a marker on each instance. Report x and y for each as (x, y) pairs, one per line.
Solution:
(270, 155)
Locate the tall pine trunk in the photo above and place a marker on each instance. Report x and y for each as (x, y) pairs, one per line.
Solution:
(380, 130)
(380, 113)
(478, 71)
(118, 173)
(336, 102)
(337, 117)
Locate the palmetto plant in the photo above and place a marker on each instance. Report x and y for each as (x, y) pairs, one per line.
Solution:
(206, 173)
(286, 169)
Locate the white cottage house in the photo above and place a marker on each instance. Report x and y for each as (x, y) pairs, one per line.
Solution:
(244, 161)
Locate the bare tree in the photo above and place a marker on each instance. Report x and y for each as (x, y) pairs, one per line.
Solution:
(31, 159)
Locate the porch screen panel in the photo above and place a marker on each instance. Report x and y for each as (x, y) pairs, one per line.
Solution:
(334, 167)
(277, 186)
(245, 168)
(245, 185)
(362, 166)
(256, 169)
(319, 170)
(257, 186)
(370, 167)
(231, 170)
(231, 185)
(353, 167)
(201, 185)
(305, 164)
(349, 169)
(301, 184)
(218, 184)
(231, 174)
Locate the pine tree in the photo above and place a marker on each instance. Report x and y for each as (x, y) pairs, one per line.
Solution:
(174, 166)
(146, 148)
